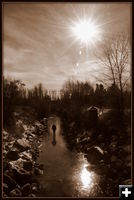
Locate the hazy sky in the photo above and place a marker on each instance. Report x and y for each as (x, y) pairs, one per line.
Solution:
(39, 45)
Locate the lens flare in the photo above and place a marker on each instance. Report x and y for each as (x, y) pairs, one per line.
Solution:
(86, 31)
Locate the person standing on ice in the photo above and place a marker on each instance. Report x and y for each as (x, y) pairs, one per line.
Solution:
(54, 130)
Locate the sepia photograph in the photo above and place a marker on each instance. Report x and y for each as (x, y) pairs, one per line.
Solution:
(66, 129)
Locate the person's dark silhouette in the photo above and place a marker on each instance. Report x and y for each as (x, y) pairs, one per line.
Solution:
(54, 138)
(54, 128)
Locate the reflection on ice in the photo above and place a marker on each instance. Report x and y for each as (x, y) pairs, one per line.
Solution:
(86, 177)
(77, 178)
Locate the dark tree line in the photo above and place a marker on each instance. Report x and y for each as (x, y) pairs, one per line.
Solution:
(13, 93)
(75, 95)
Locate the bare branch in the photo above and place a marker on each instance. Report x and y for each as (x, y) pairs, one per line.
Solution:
(115, 57)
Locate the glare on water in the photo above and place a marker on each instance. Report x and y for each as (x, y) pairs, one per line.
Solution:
(67, 173)
(86, 177)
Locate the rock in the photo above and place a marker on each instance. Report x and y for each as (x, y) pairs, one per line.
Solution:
(22, 144)
(91, 167)
(77, 140)
(15, 193)
(5, 165)
(30, 138)
(113, 146)
(100, 138)
(34, 155)
(9, 173)
(16, 114)
(94, 154)
(15, 149)
(114, 138)
(72, 124)
(44, 121)
(127, 148)
(31, 195)
(4, 195)
(5, 146)
(9, 181)
(10, 144)
(5, 134)
(128, 158)
(90, 133)
(127, 182)
(4, 154)
(129, 164)
(25, 135)
(5, 188)
(12, 155)
(120, 152)
(32, 135)
(113, 173)
(28, 165)
(38, 171)
(85, 140)
(113, 158)
(38, 126)
(17, 164)
(19, 123)
(102, 144)
(34, 188)
(26, 190)
(126, 173)
(26, 155)
(5, 138)
(119, 163)
(102, 169)
(41, 166)
(92, 117)
(22, 176)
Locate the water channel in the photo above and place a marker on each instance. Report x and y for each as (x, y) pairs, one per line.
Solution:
(66, 173)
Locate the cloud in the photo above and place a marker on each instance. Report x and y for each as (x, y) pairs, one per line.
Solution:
(39, 47)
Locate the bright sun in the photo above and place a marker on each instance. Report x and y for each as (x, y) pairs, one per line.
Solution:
(87, 31)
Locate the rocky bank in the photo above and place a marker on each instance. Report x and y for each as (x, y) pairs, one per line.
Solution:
(20, 152)
(107, 150)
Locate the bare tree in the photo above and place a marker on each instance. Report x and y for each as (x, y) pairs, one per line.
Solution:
(115, 59)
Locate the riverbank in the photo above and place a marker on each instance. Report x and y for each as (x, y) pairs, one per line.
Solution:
(21, 148)
(107, 148)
